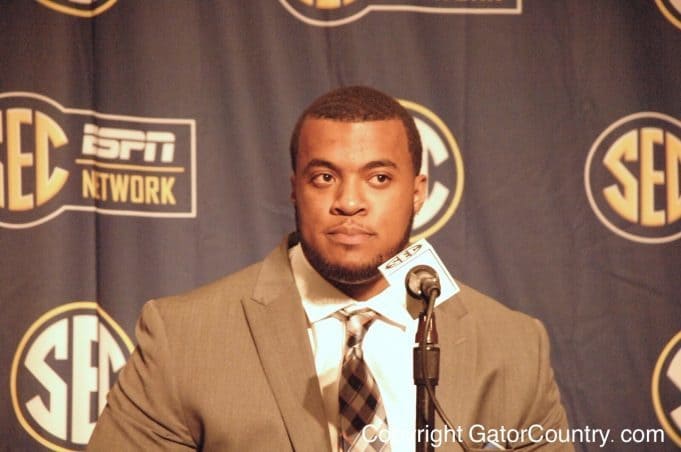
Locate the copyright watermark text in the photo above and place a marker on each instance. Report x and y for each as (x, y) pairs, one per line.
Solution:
(502, 436)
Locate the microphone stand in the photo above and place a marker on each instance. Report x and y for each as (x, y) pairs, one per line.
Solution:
(422, 282)
(426, 371)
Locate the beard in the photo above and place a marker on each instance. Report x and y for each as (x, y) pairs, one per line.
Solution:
(349, 275)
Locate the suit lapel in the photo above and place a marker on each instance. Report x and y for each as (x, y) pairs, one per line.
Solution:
(471, 387)
(279, 327)
(458, 352)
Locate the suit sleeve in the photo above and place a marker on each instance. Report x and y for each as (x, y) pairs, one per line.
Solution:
(546, 409)
(143, 410)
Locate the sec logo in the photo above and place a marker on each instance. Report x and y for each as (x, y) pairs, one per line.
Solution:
(62, 371)
(442, 163)
(632, 178)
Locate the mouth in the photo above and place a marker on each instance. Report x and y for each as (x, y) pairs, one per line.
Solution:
(349, 234)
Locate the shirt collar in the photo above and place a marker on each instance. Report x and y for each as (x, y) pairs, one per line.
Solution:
(321, 299)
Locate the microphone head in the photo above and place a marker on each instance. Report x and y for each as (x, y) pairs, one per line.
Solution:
(421, 281)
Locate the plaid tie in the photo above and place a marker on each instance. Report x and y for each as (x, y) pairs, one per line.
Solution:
(358, 396)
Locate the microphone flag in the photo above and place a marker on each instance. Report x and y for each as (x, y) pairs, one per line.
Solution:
(395, 269)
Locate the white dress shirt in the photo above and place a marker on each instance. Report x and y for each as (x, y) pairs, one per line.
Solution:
(388, 347)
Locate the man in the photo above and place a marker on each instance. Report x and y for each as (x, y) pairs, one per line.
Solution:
(272, 358)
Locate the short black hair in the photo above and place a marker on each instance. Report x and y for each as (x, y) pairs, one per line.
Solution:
(359, 104)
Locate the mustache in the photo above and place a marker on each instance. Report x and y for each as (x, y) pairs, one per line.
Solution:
(350, 228)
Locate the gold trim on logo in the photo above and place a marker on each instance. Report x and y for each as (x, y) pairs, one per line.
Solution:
(125, 166)
(75, 11)
(655, 389)
(668, 14)
(398, 8)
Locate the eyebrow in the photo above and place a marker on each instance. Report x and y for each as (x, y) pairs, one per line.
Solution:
(380, 164)
(384, 163)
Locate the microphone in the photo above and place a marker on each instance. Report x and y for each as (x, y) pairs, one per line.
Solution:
(422, 282)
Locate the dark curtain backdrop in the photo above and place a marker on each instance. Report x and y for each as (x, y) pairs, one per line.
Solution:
(144, 151)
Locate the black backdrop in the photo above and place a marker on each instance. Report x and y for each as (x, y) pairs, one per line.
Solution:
(143, 151)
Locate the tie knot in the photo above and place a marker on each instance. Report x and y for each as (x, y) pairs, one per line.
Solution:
(356, 325)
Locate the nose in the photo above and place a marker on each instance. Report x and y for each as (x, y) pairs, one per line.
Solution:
(349, 199)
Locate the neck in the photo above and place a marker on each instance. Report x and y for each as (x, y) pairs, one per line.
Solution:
(364, 290)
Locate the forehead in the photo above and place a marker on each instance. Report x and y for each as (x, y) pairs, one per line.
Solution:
(353, 141)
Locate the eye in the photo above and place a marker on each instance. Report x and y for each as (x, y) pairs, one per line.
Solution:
(322, 179)
(380, 180)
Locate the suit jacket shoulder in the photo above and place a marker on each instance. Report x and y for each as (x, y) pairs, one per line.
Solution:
(209, 302)
(502, 359)
(226, 366)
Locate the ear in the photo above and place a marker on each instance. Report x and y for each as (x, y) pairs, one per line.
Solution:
(420, 191)
(293, 188)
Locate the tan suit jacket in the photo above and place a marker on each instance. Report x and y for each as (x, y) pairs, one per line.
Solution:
(229, 367)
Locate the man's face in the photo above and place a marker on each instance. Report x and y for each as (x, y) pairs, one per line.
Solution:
(355, 194)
